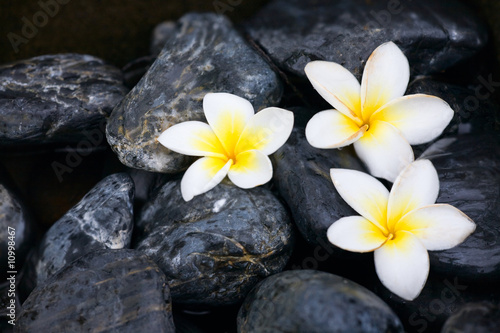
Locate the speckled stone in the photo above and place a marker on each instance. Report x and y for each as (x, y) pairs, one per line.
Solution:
(56, 98)
(103, 291)
(102, 219)
(474, 318)
(161, 34)
(206, 54)
(216, 247)
(469, 174)
(433, 34)
(302, 176)
(16, 226)
(314, 302)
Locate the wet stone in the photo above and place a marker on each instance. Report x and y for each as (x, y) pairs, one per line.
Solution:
(474, 318)
(434, 35)
(314, 301)
(56, 98)
(469, 174)
(206, 54)
(216, 247)
(103, 291)
(102, 219)
(302, 176)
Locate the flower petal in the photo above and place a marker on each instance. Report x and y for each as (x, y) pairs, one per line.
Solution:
(384, 151)
(266, 131)
(192, 138)
(252, 168)
(402, 264)
(363, 193)
(331, 129)
(228, 115)
(385, 78)
(355, 233)
(203, 175)
(439, 227)
(420, 118)
(416, 186)
(337, 86)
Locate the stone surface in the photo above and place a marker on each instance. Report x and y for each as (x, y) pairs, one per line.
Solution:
(16, 230)
(161, 34)
(469, 174)
(102, 219)
(313, 301)
(474, 112)
(216, 247)
(433, 34)
(206, 54)
(103, 291)
(474, 318)
(302, 176)
(56, 98)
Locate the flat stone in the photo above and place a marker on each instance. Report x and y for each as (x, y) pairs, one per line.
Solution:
(103, 291)
(56, 98)
(206, 54)
(102, 219)
(433, 35)
(314, 301)
(302, 177)
(469, 174)
(216, 247)
(474, 318)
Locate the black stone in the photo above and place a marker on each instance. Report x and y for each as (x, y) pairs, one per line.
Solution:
(313, 301)
(302, 176)
(103, 291)
(469, 174)
(216, 247)
(102, 219)
(206, 54)
(474, 318)
(434, 35)
(56, 98)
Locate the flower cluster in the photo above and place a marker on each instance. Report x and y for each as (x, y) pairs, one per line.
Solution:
(400, 225)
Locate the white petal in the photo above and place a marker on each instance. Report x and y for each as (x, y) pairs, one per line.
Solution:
(384, 151)
(385, 78)
(192, 138)
(402, 264)
(363, 193)
(331, 129)
(416, 186)
(337, 86)
(420, 118)
(439, 227)
(356, 234)
(203, 175)
(252, 168)
(228, 115)
(266, 131)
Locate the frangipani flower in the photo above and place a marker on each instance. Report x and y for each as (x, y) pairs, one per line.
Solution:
(375, 116)
(235, 142)
(399, 226)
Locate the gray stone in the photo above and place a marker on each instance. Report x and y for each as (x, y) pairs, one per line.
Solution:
(206, 54)
(56, 98)
(474, 318)
(216, 247)
(469, 174)
(433, 34)
(161, 33)
(103, 291)
(102, 219)
(313, 301)
(302, 176)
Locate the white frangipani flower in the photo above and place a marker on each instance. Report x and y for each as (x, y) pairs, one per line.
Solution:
(399, 226)
(235, 142)
(375, 116)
